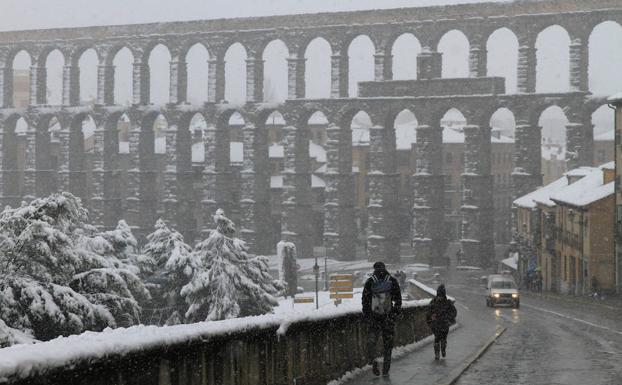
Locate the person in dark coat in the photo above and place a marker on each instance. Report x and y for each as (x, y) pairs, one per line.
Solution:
(382, 303)
(441, 314)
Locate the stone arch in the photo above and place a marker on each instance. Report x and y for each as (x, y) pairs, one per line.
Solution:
(159, 58)
(503, 119)
(79, 152)
(197, 127)
(318, 53)
(603, 133)
(235, 73)
(275, 55)
(552, 121)
(361, 51)
(553, 60)
(197, 57)
(405, 49)
(87, 61)
(502, 57)
(20, 62)
(118, 159)
(605, 59)
(13, 162)
(455, 46)
(54, 62)
(123, 60)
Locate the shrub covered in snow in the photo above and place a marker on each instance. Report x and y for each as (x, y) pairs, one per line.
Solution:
(58, 276)
(288, 268)
(227, 283)
(174, 265)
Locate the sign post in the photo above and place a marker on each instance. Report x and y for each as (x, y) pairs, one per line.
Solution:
(341, 287)
(316, 270)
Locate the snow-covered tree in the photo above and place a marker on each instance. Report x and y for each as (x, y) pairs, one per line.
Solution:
(288, 268)
(58, 276)
(227, 283)
(174, 265)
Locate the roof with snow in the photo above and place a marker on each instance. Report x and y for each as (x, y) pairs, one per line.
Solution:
(585, 191)
(541, 195)
(608, 166)
(615, 99)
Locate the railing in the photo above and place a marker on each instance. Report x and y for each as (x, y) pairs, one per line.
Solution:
(305, 349)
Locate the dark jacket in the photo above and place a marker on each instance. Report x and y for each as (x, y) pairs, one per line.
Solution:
(442, 313)
(396, 294)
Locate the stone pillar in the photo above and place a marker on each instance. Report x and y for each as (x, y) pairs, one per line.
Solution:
(209, 180)
(114, 204)
(186, 205)
(261, 165)
(71, 85)
(248, 205)
(105, 84)
(11, 194)
(429, 193)
(3, 200)
(98, 174)
(64, 181)
(38, 84)
(44, 174)
(526, 76)
(77, 173)
(429, 64)
(150, 206)
(339, 75)
(296, 196)
(171, 195)
(254, 79)
(579, 143)
(179, 81)
(216, 80)
(383, 66)
(382, 237)
(579, 63)
(140, 82)
(477, 201)
(222, 152)
(30, 166)
(477, 60)
(132, 199)
(6, 86)
(331, 193)
(527, 173)
(296, 77)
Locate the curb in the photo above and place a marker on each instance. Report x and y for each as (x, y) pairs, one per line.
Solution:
(455, 375)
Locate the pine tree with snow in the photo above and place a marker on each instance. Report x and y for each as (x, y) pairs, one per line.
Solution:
(288, 270)
(58, 276)
(174, 265)
(227, 283)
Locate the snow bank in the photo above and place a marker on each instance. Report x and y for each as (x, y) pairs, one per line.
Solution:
(21, 361)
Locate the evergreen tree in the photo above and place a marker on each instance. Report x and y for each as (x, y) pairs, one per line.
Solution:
(227, 283)
(288, 270)
(58, 276)
(174, 265)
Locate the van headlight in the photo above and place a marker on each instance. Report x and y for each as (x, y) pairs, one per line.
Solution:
(496, 295)
(514, 295)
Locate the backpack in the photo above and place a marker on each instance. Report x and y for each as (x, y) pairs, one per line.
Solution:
(381, 302)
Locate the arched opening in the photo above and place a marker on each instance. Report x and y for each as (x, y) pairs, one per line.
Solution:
(197, 67)
(275, 71)
(455, 47)
(235, 148)
(405, 125)
(503, 125)
(80, 152)
(502, 48)
(605, 59)
(361, 63)
(235, 74)
(121, 161)
(360, 126)
(553, 122)
(159, 74)
(123, 63)
(198, 125)
(14, 149)
(604, 135)
(21, 79)
(318, 69)
(453, 123)
(153, 159)
(553, 61)
(317, 125)
(405, 50)
(88, 77)
(54, 64)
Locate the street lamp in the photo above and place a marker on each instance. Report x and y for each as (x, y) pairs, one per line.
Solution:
(316, 270)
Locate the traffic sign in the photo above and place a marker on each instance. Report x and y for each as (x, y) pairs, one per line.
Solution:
(304, 300)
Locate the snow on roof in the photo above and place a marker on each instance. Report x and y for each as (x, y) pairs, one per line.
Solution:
(607, 136)
(25, 360)
(276, 151)
(511, 262)
(237, 152)
(586, 190)
(198, 152)
(615, 99)
(608, 166)
(317, 152)
(541, 195)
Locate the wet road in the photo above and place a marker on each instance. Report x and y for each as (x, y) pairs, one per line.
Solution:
(548, 341)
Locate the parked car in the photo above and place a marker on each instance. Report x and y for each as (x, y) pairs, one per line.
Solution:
(502, 290)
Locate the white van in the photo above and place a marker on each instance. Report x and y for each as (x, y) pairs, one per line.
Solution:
(502, 290)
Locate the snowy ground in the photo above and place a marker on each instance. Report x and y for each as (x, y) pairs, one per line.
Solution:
(286, 305)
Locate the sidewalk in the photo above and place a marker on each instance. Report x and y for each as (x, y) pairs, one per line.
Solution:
(419, 367)
(612, 301)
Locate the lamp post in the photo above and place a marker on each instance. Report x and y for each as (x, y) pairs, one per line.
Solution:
(316, 270)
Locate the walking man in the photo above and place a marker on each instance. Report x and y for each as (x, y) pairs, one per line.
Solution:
(382, 303)
(441, 314)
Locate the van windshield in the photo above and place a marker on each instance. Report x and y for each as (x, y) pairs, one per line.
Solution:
(503, 285)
